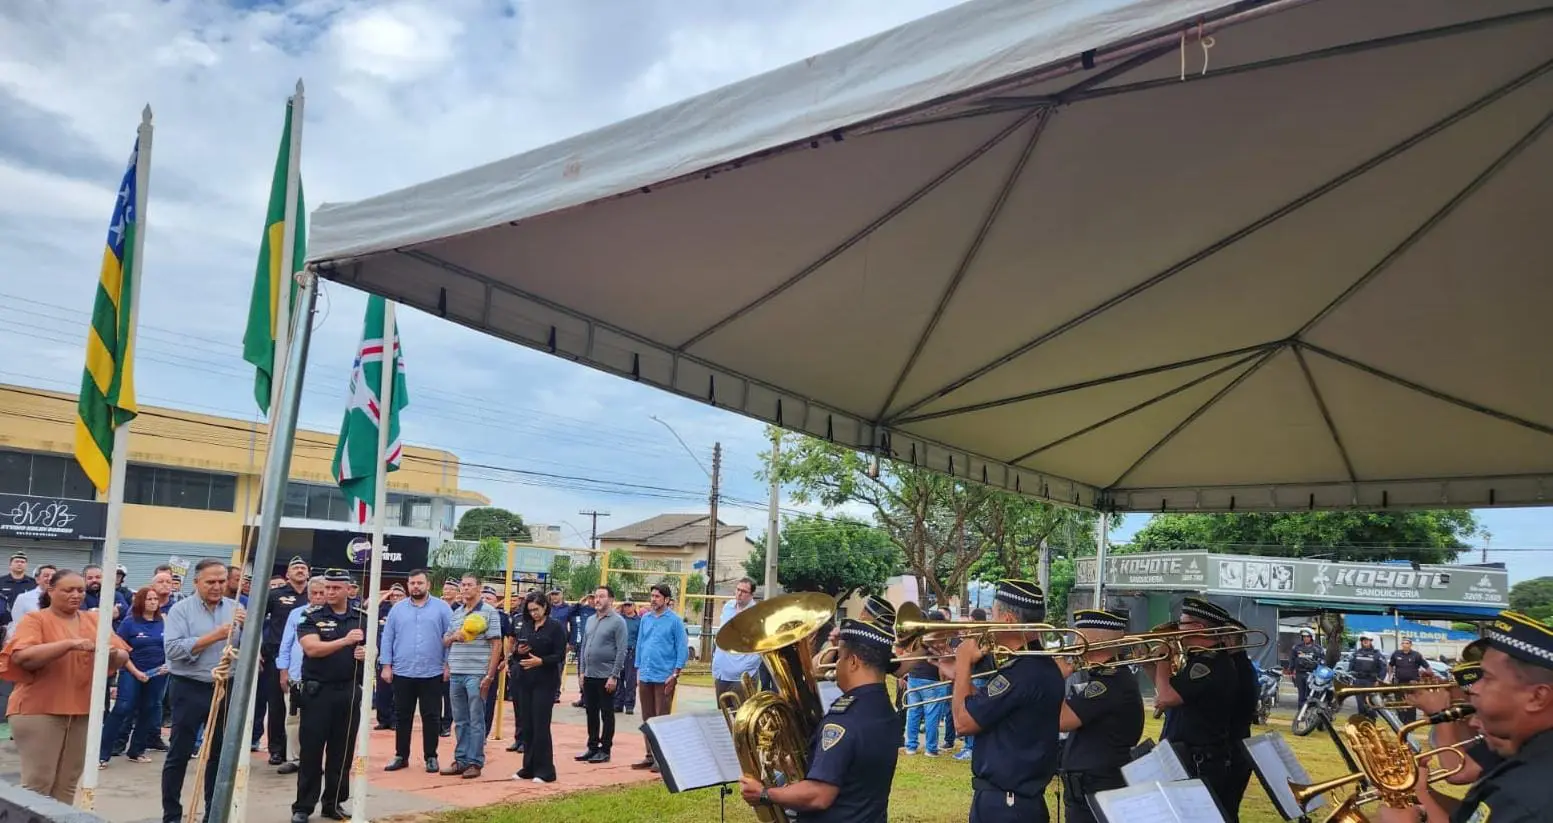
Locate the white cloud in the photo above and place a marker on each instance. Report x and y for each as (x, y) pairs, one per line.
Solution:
(398, 92)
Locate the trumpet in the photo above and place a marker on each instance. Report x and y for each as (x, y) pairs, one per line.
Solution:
(1386, 764)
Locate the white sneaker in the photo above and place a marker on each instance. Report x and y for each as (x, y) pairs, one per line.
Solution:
(539, 780)
(909, 751)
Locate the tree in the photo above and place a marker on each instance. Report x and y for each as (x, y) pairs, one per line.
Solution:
(1425, 536)
(1533, 598)
(835, 556)
(927, 515)
(560, 571)
(454, 559)
(489, 521)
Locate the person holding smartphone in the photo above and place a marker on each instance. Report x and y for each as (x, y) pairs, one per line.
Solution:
(540, 650)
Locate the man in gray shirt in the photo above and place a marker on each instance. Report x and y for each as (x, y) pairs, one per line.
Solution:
(197, 632)
(602, 660)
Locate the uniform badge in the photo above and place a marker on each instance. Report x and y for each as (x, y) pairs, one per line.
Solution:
(1481, 814)
(1198, 671)
(1094, 689)
(841, 704)
(831, 735)
(997, 686)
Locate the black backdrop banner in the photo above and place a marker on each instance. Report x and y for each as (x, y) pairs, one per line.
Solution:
(331, 550)
(53, 518)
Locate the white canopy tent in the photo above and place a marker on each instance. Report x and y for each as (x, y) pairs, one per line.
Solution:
(1142, 255)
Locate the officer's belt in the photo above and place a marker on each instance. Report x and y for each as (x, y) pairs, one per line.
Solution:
(981, 785)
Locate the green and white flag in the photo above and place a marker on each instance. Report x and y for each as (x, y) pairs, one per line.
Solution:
(356, 456)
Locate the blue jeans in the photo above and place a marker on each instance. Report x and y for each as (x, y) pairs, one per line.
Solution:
(468, 718)
(931, 715)
(140, 703)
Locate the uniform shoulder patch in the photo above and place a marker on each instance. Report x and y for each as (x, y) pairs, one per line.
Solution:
(998, 685)
(830, 735)
(842, 703)
(1198, 671)
(1094, 689)
(1480, 815)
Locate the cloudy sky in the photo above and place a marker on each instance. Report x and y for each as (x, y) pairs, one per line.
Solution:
(398, 92)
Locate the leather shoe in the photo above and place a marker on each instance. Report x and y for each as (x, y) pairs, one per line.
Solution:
(599, 757)
(454, 768)
(587, 755)
(382, 727)
(472, 773)
(395, 765)
(334, 814)
(288, 768)
(642, 764)
(277, 759)
(431, 765)
(515, 747)
(298, 817)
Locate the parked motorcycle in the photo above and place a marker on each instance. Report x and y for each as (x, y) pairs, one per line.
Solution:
(1320, 701)
(1268, 680)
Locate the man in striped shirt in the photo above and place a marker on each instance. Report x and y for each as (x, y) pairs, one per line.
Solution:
(474, 652)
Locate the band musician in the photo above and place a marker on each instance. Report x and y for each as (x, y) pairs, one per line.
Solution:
(853, 753)
(1102, 714)
(1202, 698)
(1514, 702)
(1014, 719)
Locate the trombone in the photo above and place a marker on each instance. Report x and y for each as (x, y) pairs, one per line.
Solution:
(1232, 638)
(1361, 693)
(911, 631)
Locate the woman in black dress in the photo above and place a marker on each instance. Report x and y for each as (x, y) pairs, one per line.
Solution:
(540, 652)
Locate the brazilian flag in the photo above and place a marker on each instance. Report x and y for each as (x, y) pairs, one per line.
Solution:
(108, 384)
(264, 306)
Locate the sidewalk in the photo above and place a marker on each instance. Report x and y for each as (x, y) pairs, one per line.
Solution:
(127, 793)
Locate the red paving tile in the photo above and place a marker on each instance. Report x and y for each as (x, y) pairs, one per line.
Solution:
(495, 784)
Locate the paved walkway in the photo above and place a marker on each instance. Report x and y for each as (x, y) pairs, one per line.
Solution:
(127, 792)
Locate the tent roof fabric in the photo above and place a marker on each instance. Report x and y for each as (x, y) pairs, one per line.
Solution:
(1146, 255)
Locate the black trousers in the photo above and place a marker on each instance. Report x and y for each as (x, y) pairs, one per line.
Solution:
(330, 716)
(191, 705)
(271, 708)
(383, 701)
(1301, 687)
(536, 703)
(1223, 772)
(447, 706)
(1078, 786)
(408, 693)
(991, 806)
(600, 707)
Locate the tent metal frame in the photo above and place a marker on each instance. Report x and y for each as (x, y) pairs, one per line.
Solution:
(676, 369)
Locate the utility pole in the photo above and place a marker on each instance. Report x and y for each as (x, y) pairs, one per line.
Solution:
(711, 555)
(593, 542)
(1487, 536)
(773, 537)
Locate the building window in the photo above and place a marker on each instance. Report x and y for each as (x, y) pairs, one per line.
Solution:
(179, 489)
(44, 475)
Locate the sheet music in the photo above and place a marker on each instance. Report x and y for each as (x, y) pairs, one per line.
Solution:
(1191, 800)
(1160, 765)
(697, 749)
(1187, 801)
(1276, 764)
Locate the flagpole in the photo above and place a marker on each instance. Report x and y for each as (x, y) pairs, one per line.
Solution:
(86, 798)
(277, 381)
(385, 396)
(277, 467)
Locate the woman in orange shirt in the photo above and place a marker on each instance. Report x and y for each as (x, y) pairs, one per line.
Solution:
(50, 660)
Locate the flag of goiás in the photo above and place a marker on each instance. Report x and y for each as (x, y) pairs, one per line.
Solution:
(107, 398)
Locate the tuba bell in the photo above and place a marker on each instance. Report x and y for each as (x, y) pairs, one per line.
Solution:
(771, 729)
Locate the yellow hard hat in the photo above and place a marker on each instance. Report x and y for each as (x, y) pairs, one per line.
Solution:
(474, 626)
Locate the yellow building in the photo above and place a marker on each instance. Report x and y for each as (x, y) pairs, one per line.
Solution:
(191, 486)
(678, 543)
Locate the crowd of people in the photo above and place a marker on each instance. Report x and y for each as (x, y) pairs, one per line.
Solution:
(440, 659)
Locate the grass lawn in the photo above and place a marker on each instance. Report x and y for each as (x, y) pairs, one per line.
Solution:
(926, 790)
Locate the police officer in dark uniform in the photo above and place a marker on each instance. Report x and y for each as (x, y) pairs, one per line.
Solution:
(1248, 693)
(331, 637)
(1103, 716)
(1201, 697)
(1407, 666)
(853, 752)
(1514, 702)
(276, 612)
(1367, 666)
(1303, 659)
(1014, 718)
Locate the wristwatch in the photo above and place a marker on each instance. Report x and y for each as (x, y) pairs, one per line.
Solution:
(765, 796)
